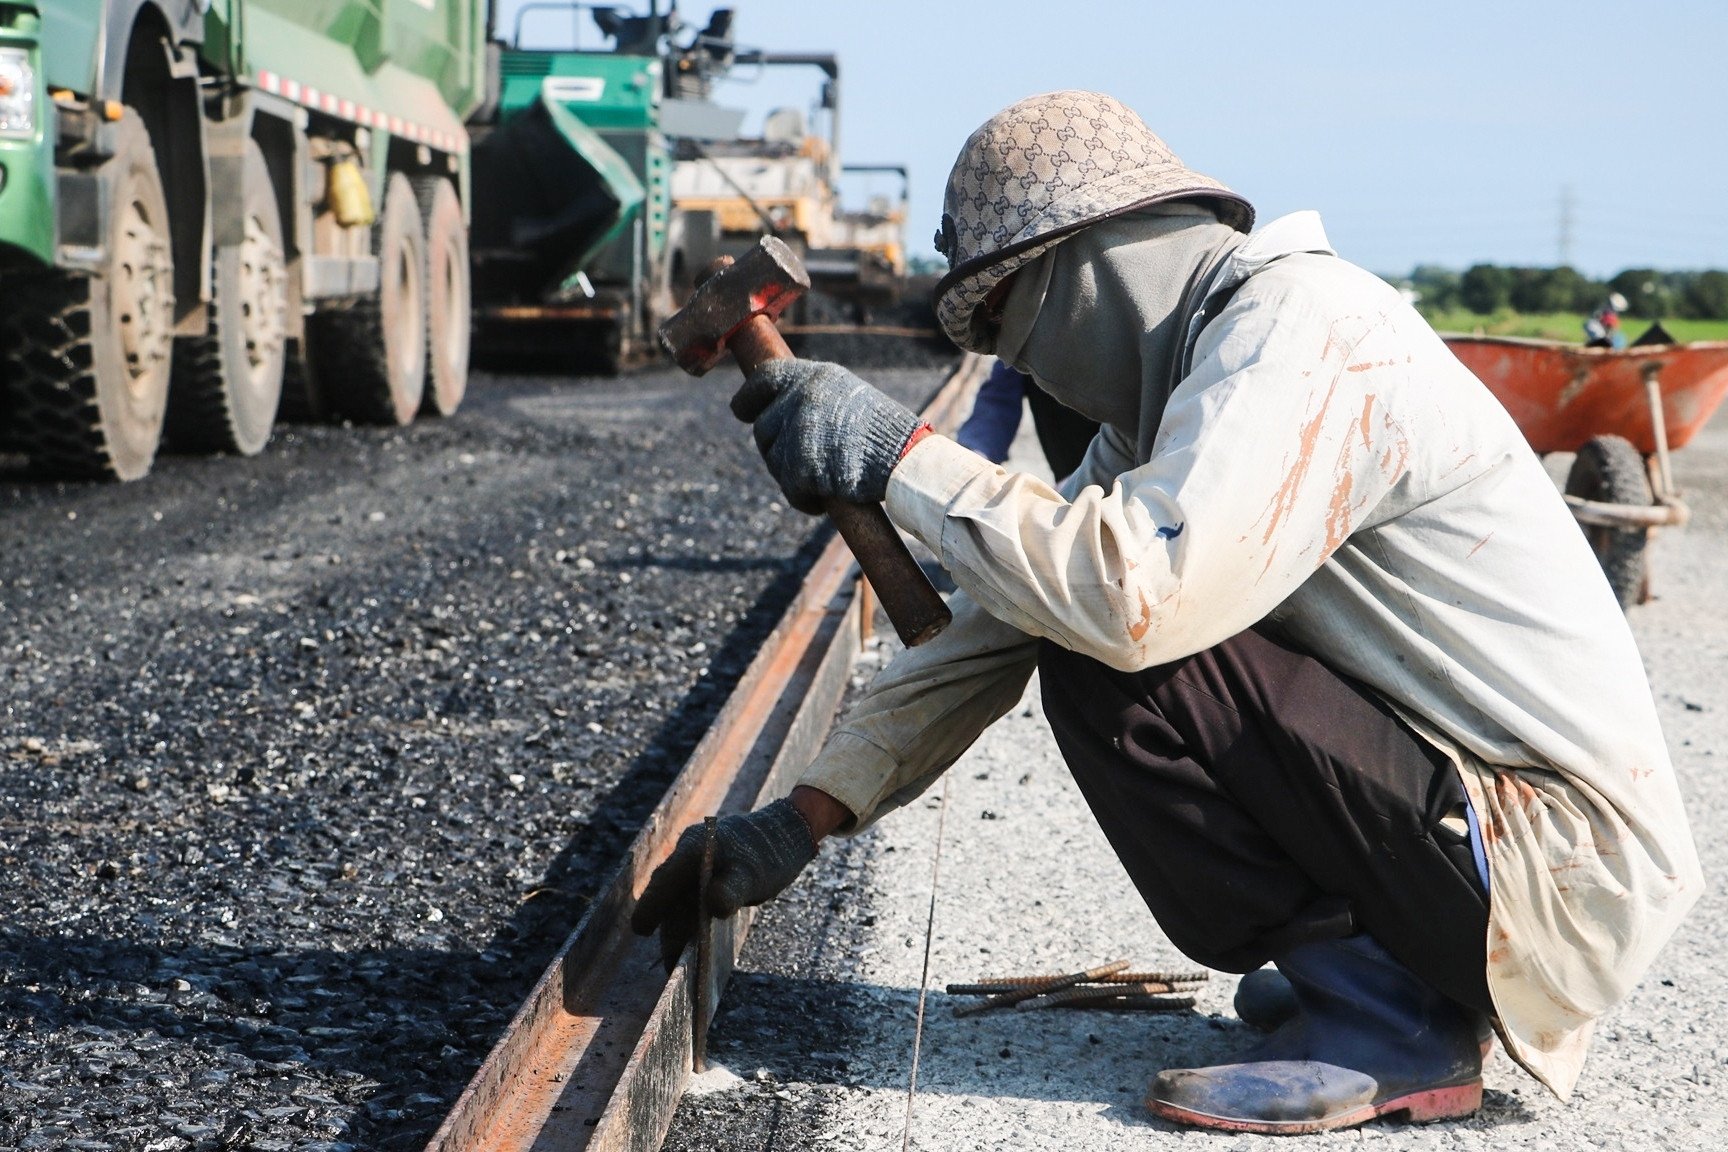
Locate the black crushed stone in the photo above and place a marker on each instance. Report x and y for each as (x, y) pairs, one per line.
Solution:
(308, 763)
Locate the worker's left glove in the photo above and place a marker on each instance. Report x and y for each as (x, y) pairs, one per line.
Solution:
(824, 433)
(756, 855)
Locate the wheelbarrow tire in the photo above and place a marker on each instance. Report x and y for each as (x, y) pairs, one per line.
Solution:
(1609, 470)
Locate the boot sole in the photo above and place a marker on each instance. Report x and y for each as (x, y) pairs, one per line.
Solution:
(1424, 1107)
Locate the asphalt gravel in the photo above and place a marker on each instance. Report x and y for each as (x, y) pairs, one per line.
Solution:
(309, 762)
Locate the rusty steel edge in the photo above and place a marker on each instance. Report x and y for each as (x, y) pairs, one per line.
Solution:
(561, 1076)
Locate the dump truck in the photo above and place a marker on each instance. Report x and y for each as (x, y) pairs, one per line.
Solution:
(207, 202)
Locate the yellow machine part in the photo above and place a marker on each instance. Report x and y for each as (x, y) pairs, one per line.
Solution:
(349, 200)
(736, 214)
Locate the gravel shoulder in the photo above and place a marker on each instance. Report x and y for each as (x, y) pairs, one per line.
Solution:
(1027, 884)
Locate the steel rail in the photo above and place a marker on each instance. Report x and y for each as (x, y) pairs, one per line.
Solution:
(599, 1054)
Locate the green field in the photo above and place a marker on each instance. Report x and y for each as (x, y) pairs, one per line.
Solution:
(1563, 325)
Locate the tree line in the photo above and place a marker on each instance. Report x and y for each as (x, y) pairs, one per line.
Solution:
(1651, 294)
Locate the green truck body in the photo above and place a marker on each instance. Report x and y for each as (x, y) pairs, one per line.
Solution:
(420, 66)
(213, 211)
(179, 159)
(26, 150)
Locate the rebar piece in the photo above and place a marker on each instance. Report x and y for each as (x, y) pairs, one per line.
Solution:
(1004, 999)
(990, 989)
(1081, 994)
(1198, 977)
(1049, 980)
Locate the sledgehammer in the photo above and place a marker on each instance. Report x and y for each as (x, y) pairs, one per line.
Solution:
(734, 310)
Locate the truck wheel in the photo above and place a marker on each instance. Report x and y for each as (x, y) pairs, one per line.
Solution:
(448, 296)
(1608, 469)
(369, 360)
(86, 358)
(227, 384)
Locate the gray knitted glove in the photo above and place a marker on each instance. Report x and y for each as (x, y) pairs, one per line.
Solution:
(824, 432)
(756, 855)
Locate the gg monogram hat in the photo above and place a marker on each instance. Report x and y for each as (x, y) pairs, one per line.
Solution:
(1037, 171)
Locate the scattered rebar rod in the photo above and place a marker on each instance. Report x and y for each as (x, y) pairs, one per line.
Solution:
(1051, 980)
(1198, 977)
(1004, 999)
(1082, 994)
(991, 988)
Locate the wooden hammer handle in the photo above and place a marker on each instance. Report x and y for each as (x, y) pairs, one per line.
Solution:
(913, 605)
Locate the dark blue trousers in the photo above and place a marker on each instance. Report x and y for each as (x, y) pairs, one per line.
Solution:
(1259, 800)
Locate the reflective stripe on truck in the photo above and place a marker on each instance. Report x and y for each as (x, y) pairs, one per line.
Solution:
(343, 109)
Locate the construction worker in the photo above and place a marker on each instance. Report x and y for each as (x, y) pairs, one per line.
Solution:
(1319, 641)
(1602, 328)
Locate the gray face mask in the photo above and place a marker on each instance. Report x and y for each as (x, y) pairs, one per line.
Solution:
(1093, 322)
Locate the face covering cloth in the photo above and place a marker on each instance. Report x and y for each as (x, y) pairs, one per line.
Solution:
(1093, 321)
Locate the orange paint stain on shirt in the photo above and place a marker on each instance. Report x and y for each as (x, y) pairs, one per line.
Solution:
(1501, 947)
(1396, 459)
(1284, 500)
(1461, 463)
(1338, 513)
(1512, 793)
(1138, 629)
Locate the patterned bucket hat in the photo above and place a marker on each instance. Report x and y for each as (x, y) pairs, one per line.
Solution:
(1036, 172)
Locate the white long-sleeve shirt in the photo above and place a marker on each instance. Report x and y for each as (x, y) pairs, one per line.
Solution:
(1329, 466)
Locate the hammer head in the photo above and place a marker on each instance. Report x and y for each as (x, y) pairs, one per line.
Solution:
(762, 282)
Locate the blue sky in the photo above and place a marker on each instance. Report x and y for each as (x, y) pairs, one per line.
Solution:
(1449, 134)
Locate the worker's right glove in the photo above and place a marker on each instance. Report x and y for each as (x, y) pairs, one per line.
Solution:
(756, 855)
(824, 433)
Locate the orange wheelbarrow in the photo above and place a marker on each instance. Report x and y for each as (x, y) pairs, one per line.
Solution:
(1622, 411)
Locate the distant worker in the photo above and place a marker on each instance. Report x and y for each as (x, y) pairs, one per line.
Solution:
(1602, 328)
(1063, 433)
(1320, 642)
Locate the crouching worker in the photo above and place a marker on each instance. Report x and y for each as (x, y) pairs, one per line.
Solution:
(1331, 662)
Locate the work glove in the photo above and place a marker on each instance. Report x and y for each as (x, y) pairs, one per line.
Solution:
(756, 855)
(824, 433)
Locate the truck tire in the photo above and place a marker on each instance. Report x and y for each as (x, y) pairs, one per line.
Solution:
(369, 360)
(449, 297)
(1610, 470)
(86, 359)
(228, 383)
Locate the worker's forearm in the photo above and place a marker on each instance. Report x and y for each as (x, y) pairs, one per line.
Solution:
(821, 811)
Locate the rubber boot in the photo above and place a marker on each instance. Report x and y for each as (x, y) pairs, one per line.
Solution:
(1265, 1001)
(1369, 1039)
